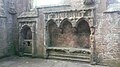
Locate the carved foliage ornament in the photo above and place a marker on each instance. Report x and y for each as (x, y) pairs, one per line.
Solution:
(89, 2)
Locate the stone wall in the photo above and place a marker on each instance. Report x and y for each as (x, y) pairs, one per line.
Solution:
(9, 9)
(5, 46)
(22, 5)
(107, 35)
(3, 38)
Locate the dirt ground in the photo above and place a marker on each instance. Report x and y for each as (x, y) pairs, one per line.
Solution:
(37, 62)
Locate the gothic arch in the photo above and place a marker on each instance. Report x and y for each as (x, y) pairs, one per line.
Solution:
(83, 33)
(67, 35)
(63, 22)
(65, 25)
(26, 32)
(81, 23)
(50, 21)
(52, 32)
(80, 20)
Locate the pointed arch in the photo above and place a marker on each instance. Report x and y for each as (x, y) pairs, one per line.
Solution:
(83, 26)
(51, 24)
(26, 32)
(66, 26)
(51, 21)
(83, 33)
(65, 21)
(53, 32)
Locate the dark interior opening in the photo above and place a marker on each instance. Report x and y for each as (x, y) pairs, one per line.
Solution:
(53, 33)
(26, 32)
(83, 34)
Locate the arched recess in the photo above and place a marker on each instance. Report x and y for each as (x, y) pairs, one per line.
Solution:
(67, 37)
(26, 32)
(83, 33)
(52, 33)
(66, 26)
(26, 40)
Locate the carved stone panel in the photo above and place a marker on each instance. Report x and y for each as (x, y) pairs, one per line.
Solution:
(72, 15)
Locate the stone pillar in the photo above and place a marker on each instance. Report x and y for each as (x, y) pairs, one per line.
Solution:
(93, 46)
(46, 39)
(33, 40)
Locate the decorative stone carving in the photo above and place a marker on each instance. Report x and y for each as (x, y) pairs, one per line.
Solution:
(89, 2)
(12, 8)
(51, 15)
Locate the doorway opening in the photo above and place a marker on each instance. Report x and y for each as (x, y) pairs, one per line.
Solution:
(26, 38)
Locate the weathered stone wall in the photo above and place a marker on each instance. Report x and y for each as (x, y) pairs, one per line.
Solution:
(5, 46)
(9, 25)
(22, 5)
(3, 38)
(107, 25)
(107, 35)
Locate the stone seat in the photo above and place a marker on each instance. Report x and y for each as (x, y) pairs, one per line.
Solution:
(76, 54)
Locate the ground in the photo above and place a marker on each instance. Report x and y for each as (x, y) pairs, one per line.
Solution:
(37, 62)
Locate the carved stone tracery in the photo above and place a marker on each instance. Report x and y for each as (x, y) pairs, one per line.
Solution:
(72, 15)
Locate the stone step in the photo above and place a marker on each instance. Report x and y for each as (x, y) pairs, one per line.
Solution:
(68, 58)
(27, 54)
(71, 56)
(70, 49)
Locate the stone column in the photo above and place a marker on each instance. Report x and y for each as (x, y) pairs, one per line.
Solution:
(33, 39)
(46, 38)
(93, 46)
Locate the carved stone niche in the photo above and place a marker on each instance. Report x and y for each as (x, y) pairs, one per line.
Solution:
(89, 2)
